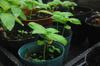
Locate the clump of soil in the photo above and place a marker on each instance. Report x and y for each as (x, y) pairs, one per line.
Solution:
(38, 56)
(93, 58)
(15, 35)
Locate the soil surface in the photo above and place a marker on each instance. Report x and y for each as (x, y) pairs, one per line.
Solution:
(39, 55)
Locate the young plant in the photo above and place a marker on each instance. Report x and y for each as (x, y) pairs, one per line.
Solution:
(69, 5)
(48, 35)
(63, 18)
(55, 3)
(66, 4)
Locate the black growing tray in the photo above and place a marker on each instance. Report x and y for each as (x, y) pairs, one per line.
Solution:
(80, 59)
(8, 59)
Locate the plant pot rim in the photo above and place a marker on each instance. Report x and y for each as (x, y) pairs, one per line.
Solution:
(10, 40)
(41, 19)
(85, 8)
(32, 43)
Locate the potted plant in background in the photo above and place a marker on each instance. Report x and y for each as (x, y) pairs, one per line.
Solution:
(62, 20)
(93, 28)
(11, 16)
(44, 51)
(79, 33)
(31, 9)
(80, 12)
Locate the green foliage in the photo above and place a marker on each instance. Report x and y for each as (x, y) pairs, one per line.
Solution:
(4, 5)
(61, 17)
(55, 3)
(47, 33)
(38, 29)
(51, 30)
(57, 38)
(40, 42)
(52, 49)
(64, 17)
(7, 20)
(69, 4)
(66, 4)
(75, 21)
(67, 27)
(10, 12)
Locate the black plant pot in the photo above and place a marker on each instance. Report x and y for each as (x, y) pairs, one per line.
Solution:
(92, 30)
(16, 40)
(79, 34)
(58, 61)
(14, 45)
(93, 57)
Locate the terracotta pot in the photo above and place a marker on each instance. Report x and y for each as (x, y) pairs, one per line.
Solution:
(44, 21)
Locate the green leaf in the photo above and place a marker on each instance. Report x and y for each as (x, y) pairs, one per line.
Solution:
(57, 38)
(40, 42)
(4, 5)
(19, 21)
(67, 27)
(40, 1)
(60, 19)
(8, 20)
(68, 4)
(51, 30)
(55, 3)
(75, 21)
(29, 4)
(14, 2)
(51, 50)
(67, 14)
(45, 12)
(56, 49)
(16, 11)
(37, 28)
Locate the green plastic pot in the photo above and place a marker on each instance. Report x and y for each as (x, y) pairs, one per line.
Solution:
(58, 61)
